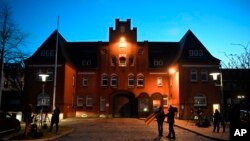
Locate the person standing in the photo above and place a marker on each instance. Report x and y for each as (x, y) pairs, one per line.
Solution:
(170, 119)
(55, 119)
(217, 120)
(28, 118)
(160, 116)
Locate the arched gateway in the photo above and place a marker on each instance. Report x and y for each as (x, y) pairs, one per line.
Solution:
(123, 104)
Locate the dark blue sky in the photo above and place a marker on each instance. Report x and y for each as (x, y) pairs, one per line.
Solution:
(216, 23)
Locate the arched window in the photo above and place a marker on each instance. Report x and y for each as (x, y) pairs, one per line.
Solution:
(140, 80)
(131, 80)
(104, 81)
(114, 80)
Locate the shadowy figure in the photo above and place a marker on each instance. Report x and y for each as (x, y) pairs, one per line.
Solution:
(160, 116)
(55, 119)
(28, 118)
(217, 120)
(235, 121)
(170, 119)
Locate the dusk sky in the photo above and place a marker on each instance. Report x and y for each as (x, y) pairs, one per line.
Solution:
(216, 23)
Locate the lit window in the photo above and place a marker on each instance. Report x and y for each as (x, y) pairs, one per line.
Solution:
(193, 74)
(200, 101)
(85, 82)
(104, 81)
(122, 42)
(159, 81)
(204, 75)
(89, 101)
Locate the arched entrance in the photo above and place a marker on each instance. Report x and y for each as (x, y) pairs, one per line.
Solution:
(123, 104)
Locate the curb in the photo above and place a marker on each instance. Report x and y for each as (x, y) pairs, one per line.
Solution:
(45, 139)
(217, 139)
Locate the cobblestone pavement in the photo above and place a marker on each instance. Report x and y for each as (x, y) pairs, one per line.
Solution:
(122, 129)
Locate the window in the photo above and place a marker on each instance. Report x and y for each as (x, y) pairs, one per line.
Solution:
(85, 82)
(165, 101)
(79, 101)
(122, 43)
(122, 60)
(104, 81)
(89, 101)
(159, 81)
(114, 80)
(158, 62)
(131, 80)
(200, 101)
(102, 103)
(50, 72)
(193, 74)
(131, 61)
(140, 80)
(204, 75)
(113, 61)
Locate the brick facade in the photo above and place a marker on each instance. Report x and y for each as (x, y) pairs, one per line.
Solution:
(124, 77)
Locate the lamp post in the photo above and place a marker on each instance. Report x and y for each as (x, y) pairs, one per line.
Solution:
(215, 77)
(43, 101)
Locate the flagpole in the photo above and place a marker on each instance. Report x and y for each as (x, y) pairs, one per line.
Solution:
(55, 69)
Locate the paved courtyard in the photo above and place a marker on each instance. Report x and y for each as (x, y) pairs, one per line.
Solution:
(121, 129)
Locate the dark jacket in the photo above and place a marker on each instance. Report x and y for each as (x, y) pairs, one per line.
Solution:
(55, 115)
(160, 116)
(217, 117)
(171, 114)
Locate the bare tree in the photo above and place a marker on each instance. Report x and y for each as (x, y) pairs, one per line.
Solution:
(239, 61)
(11, 39)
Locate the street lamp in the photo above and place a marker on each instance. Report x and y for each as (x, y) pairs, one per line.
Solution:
(42, 101)
(215, 77)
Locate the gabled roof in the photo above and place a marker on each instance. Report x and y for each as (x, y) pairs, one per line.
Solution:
(190, 42)
(164, 51)
(50, 45)
(84, 51)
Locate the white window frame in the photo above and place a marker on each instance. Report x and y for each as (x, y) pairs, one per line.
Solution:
(114, 78)
(159, 81)
(140, 78)
(205, 74)
(50, 72)
(89, 101)
(200, 101)
(85, 81)
(79, 101)
(104, 78)
(193, 72)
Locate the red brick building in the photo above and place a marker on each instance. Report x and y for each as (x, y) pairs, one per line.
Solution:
(124, 77)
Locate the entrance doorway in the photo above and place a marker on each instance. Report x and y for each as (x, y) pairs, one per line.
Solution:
(216, 106)
(123, 104)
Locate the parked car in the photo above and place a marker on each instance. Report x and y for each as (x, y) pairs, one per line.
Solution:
(8, 123)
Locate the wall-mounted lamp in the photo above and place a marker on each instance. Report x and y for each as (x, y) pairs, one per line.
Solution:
(172, 71)
(44, 77)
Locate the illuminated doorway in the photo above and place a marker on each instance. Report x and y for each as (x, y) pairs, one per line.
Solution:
(216, 106)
